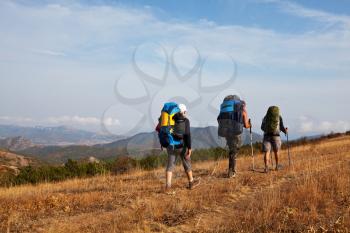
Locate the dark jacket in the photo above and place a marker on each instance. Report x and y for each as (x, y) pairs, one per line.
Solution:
(186, 134)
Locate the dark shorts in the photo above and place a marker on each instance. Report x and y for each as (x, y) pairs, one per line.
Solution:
(272, 143)
(173, 154)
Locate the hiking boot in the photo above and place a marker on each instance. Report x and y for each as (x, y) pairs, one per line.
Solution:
(194, 183)
(169, 191)
(231, 174)
(278, 167)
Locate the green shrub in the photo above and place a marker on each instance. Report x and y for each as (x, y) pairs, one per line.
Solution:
(73, 168)
(7, 179)
(123, 164)
(41, 174)
(152, 161)
(93, 169)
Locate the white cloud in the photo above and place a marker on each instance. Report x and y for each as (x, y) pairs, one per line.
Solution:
(306, 125)
(309, 125)
(109, 121)
(337, 126)
(71, 120)
(19, 120)
(103, 33)
(81, 122)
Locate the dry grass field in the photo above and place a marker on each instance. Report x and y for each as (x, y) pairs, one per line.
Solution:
(311, 196)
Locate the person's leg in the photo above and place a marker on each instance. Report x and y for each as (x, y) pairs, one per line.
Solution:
(234, 144)
(169, 176)
(266, 150)
(192, 183)
(277, 143)
(186, 165)
(267, 159)
(170, 166)
(231, 162)
(189, 176)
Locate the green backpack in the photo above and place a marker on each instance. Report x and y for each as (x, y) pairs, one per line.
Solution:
(272, 120)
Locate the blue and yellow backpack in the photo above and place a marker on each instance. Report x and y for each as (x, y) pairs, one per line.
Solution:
(167, 123)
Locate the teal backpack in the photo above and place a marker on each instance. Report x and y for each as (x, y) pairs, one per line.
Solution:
(230, 118)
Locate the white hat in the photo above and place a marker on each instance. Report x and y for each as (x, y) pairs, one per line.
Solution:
(182, 108)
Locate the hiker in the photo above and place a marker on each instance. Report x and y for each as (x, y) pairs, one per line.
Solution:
(175, 135)
(272, 125)
(232, 118)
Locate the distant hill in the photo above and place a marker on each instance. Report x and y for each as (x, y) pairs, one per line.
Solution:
(55, 135)
(138, 145)
(15, 143)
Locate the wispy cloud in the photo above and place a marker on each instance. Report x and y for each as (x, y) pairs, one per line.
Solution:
(60, 120)
(71, 120)
(48, 52)
(314, 14)
(102, 34)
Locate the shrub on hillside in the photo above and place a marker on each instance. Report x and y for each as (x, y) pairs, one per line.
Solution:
(152, 162)
(123, 164)
(334, 135)
(246, 150)
(7, 179)
(41, 174)
(93, 169)
(208, 154)
(73, 168)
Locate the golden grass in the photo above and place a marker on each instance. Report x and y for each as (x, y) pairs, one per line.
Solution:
(311, 196)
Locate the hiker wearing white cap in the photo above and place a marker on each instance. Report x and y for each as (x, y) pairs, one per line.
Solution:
(176, 137)
(183, 108)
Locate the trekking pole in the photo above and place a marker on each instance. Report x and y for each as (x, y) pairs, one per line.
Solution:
(251, 143)
(289, 160)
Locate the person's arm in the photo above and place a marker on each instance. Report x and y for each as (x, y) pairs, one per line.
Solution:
(187, 135)
(282, 128)
(187, 139)
(245, 119)
(263, 124)
(158, 125)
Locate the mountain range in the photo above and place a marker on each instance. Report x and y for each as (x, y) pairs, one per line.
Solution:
(61, 135)
(16, 143)
(138, 145)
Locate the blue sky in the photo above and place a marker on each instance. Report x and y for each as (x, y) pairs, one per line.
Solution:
(71, 62)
